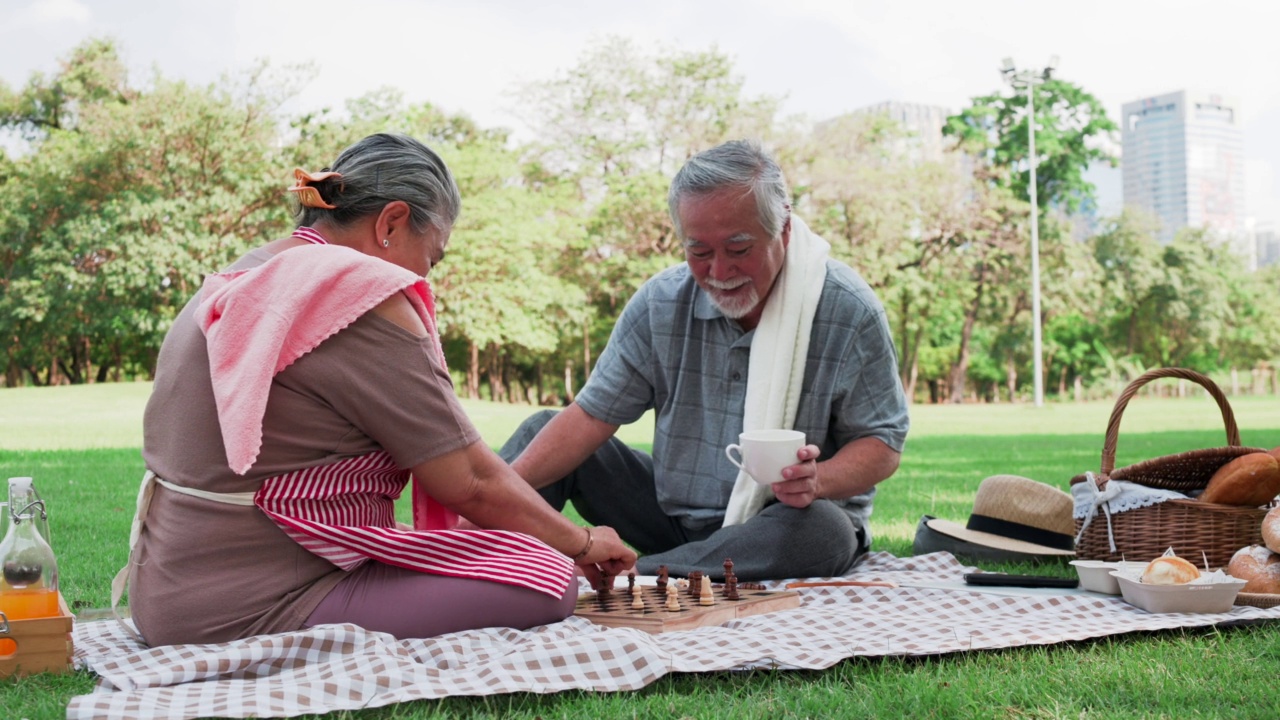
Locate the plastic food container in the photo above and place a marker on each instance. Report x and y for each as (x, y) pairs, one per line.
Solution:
(1096, 575)
(1189, 598)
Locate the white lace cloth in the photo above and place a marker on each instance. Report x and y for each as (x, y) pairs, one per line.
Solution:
(1119, 496)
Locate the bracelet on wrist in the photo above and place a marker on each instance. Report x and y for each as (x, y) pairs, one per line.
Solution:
(585, 548)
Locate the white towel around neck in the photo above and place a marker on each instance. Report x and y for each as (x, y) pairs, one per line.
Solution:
(775, 370)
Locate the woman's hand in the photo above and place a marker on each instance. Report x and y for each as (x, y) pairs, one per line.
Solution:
(607, 556)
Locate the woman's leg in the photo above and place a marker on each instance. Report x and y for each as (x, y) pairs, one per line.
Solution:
(409, 604)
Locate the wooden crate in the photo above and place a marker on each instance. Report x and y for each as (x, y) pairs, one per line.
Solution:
(36, 646)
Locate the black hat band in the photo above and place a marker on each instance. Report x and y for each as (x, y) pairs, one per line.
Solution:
(1018, 531)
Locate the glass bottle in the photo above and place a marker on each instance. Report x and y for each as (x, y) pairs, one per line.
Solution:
(28, 570)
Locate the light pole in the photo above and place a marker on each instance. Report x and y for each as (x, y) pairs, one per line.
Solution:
(1029, 79)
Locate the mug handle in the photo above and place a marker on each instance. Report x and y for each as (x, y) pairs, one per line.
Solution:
(728, 452)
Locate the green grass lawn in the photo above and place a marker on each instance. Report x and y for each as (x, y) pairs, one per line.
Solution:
(82, 447)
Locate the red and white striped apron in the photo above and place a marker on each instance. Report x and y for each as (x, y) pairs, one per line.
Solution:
(344, 512)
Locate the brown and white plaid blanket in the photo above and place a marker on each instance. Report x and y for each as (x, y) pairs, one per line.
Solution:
(342, 667)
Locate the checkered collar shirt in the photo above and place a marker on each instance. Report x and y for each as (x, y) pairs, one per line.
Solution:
(674, 352)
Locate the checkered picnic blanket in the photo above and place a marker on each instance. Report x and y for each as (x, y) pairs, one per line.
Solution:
(340, 667)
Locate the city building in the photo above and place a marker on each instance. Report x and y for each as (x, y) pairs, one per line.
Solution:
(1267, 242)
(924, 122)
(1183, 160)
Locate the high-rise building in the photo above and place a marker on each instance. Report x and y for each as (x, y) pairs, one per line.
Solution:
(923, 122)
(1183, 160)
(1268, 245)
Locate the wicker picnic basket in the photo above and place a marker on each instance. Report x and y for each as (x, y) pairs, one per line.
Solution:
(1195, 530)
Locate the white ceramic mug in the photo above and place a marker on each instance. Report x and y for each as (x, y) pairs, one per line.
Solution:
(764, 453)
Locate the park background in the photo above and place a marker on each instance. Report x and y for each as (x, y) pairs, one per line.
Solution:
(123, 182)
(148, 143)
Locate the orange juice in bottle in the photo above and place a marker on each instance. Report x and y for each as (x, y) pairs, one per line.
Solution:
(28, 570)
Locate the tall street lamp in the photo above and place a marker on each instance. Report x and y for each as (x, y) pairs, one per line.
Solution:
(1029, 79)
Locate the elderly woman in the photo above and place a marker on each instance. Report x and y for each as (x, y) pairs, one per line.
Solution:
(296, 395)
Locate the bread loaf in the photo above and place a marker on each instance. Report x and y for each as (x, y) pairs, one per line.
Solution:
(1271, 529)
(1249, 480)
(1169, 570)
(1259, 567)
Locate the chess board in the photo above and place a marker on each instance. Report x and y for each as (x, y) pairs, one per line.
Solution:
(614, 608)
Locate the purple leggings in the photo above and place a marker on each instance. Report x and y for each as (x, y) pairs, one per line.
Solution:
(409, 604)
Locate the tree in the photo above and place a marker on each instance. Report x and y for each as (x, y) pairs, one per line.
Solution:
(1072, 131)
(128, 197)
(616, 127)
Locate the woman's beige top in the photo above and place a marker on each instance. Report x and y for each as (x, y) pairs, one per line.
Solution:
(212, 572)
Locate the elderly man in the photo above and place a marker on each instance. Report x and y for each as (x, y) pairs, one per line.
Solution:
(756, 329)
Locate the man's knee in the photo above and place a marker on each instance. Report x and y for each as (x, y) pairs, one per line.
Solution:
(822, 531)
(524, 434)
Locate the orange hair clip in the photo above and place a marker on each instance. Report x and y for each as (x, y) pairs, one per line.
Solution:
(307, 195)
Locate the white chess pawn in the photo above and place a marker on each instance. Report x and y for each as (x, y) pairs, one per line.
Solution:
(673, 597)
(637, 598)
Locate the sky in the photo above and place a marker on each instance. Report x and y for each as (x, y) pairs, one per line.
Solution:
(823, 57)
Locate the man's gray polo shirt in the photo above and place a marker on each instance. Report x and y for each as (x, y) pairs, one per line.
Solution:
(673, 350)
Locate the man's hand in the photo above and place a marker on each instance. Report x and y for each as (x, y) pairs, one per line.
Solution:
(800, 487)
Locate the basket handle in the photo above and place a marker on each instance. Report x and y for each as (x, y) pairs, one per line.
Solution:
(1113, 425)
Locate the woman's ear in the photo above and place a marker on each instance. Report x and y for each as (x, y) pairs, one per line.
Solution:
(392, 222)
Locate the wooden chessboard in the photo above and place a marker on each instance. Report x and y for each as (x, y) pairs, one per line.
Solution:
(614, 610)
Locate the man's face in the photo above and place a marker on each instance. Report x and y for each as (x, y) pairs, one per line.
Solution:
(731, 255)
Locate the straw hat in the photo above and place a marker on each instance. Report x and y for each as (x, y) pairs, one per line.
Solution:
(1014, 518)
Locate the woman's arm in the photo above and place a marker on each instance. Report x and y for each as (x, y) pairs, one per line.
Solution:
(475, 483)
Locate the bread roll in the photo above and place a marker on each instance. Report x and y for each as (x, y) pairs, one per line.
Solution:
(1169, 570)
(1271, 530)
(1249, 480)
(1258, 566)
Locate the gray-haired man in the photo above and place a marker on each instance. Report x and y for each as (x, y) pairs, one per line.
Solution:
(757, 328)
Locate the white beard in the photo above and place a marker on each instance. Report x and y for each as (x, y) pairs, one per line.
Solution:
(734, 307)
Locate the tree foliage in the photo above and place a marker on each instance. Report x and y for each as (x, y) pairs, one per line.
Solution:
(1072, 131)
(122, 195)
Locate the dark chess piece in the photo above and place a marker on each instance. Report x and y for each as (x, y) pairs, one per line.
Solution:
(631, 582)
(695, 583)
(731, 587)
(662, 578)
(730, 581)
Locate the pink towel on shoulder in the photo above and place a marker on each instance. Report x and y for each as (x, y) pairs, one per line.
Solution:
(258, 321)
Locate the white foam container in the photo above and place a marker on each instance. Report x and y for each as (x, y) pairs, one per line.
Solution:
(1096, 575)
(1188, 598)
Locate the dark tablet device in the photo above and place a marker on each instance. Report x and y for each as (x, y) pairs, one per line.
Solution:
(1030, 581)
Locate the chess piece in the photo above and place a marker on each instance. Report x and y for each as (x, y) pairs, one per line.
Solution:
(731, 587)
(673, 598)
(631, 582)
(662, 578)
(637, 596)
(730, 581)
(706, 597)
(695, 583)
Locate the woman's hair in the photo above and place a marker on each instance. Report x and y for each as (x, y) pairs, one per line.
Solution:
(736, 164)
(382, 168)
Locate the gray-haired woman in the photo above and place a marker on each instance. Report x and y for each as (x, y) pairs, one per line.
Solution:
(296, 395)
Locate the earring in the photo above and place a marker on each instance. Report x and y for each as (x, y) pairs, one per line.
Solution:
(386, 242)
